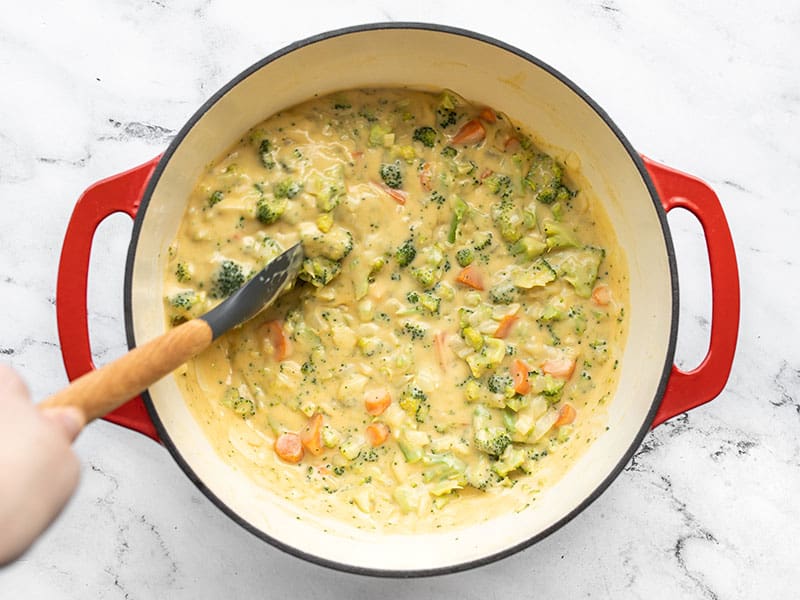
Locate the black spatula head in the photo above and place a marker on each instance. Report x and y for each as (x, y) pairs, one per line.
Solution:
(256, 294)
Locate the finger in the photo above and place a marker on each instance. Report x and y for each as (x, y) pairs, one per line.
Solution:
(68, 419)
(11, 384)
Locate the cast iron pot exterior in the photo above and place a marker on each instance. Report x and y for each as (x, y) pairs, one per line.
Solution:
(635, 193)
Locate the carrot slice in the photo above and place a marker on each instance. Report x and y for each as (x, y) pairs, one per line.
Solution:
(601, 295)
(311, 435)
(566, 415)
(425, 176)
(399, 196)
(471, 276)
(273, 332)
(356, 154)
(377, 433)
(288, 447)
(519, 372)
(512, 145)
(377, 401)
(504, 328)
(559, 367)
(471, 132)
(487, 114)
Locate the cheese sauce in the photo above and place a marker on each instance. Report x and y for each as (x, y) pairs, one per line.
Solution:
(454, 339)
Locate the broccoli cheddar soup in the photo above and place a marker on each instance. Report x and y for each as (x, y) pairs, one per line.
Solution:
(453, 340)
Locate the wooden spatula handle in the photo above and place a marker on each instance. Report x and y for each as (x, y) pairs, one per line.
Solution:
(99, 392)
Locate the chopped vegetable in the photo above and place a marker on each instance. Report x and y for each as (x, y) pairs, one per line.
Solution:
(352, 447)
(472, 132)
(559, 235)
(492, 440)
(425, 176)
(327, 187)
(378, 134)
(559, 367)
(311, 435)
(539, 274)
(377, 401)
(471, 277)
(580, 268)
(488, 115)
(566, 415)
(508, 220)
(544, 178)
(392, 175)
(399, 196)
(504, 328)
(547, 385)
(215, 198)
(499, 184)
(183, 272)
(184, 301)
(473, 337)
(377, 433)
(503, 293)
(465, 256)
(425, 135)
(228, 278)
(501, 384)
(512, 144)
(274, 333)
(459, 210)
(265, 154)
(406, 253)
(289, 447)
(519, 372)
(529, 247)
(319, 271)
(334, 245)
(270, 208)
(415, 402)
(601, 295)
(288, 188)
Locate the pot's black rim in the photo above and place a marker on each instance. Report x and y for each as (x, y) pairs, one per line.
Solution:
(613, 474)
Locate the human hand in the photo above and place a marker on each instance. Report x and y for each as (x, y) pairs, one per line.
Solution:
(38, 469)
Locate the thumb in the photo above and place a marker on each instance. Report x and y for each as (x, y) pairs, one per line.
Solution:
(67, 419)
(11, 385)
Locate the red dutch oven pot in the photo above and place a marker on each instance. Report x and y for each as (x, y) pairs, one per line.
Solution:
(636, 193)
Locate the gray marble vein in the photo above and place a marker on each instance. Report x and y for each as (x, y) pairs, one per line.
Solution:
(707, 507)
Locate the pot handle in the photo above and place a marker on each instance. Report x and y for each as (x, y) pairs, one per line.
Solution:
(689, 389)
(118, 193)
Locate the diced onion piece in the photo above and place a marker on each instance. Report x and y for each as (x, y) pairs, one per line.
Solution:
(543, 425)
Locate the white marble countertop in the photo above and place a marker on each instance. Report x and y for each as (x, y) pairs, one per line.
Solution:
(709, 506)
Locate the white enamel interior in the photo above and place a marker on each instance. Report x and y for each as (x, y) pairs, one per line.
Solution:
(486, 74)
